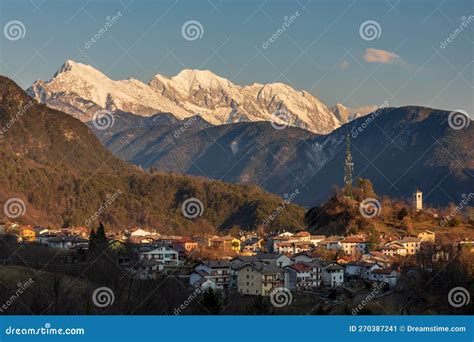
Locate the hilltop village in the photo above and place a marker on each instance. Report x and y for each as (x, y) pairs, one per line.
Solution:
(248, 263)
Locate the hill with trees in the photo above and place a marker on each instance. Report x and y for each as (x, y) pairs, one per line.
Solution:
(64, 176)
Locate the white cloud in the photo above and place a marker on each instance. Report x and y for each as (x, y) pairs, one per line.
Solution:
(381, 56)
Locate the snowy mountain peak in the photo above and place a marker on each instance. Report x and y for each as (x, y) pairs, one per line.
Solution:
(81, 90)
(71, 66)
(203, 76)
(345, 114)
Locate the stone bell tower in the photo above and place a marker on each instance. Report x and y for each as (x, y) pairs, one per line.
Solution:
(417, 200)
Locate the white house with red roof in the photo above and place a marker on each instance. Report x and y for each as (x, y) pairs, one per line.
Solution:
(164, 254)
(299, 276)
(393, 249)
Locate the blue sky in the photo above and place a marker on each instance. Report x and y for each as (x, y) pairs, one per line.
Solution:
(321, 51)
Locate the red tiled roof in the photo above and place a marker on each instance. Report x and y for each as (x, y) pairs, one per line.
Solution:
(302, 233)
(300, 267)
(353, 239)
(280, 238)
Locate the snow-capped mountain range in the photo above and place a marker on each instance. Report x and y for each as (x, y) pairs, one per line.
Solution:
(82, 91)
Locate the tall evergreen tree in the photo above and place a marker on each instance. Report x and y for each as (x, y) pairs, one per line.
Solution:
(92, 240)
(101, 239)
(211, 302)
(260, 306)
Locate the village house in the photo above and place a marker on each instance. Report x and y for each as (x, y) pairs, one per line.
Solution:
(144, 240)
(427, 236)
(286, 234)
(276, 240)
(182, 253)
(218, 272)
(346, 259)
(27, 234)
(316, 239)
(252, 245)
(332, 243)
(139, 232)
(260, 279)
(186, 243)
(242, 259)
(394, 249)
(42, 238)
(225, 243)
(301, 236)
(143, 269)
(305, 257)
(361, 269)
(333, 275)
(40, 230)
(412, 244)
(163, 240)
(385, 275)
(299, 276)
(377, 257)
(293, 247)
(354, 245)
(316, 273)
(67, 242)
(77, 231)
(164, 255)
(275, 259)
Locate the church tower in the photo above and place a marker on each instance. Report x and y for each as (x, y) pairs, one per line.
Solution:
(417, 200)
(348, 169)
